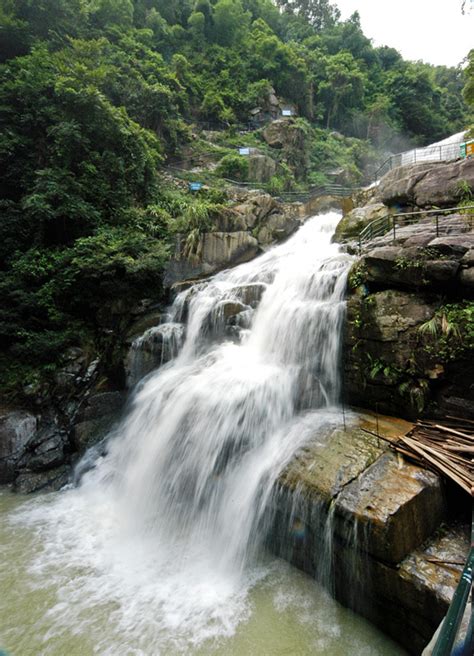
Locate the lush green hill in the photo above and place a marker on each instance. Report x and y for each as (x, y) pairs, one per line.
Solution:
(98, 96)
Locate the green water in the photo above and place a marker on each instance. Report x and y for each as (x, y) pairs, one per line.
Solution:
(284, 613)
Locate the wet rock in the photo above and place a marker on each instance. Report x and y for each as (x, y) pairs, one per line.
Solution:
(250, 294)
(97, 418)
(28, 482)
(47, 448)
(395, 504)
(363, 523)
(145, 322)
(329, 463)
(17, 427)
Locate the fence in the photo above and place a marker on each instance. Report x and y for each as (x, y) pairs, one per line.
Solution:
(452, 622)
(441, 153)
(393, 222)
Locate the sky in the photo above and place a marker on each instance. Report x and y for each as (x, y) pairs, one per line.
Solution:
(434, 31)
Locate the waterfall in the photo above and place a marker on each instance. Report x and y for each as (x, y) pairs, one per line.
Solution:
(172, 517)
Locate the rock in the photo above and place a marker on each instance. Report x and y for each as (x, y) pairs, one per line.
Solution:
(426, 184)
(229, 309)
(261, 168)
(396, 506)
(468, 258)
(361, 520)
(411, 600)
(275, 228)
(250, 294)
(214, 251)
(145, 322)
(452, 245)
(220, 250)
(352, 223)
(441, 185)
(330, 462)
(413, 266)
(17, 427)
(28, 482)
(275, 133)
(47, 448)
(385, 364)
(440, 270)
(97, 418)
(290, 137)
(466, 277)
(397, 187)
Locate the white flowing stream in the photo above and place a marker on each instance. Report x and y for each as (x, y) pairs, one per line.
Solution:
(159, 550)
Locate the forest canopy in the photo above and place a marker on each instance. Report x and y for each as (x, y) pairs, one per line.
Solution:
(96, 96)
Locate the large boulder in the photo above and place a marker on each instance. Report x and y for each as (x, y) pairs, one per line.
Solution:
(214, 251)
(290, 137)
(261, 168)
(426, 184)
(353, 222)
(275, 228)
(362, 520)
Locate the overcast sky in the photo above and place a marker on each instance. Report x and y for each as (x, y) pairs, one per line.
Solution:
(432, 30)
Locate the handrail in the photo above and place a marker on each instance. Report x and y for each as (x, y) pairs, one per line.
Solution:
(443, 152)
(450, 628)
(388, 222)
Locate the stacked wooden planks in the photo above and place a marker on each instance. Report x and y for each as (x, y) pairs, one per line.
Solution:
(447, 448)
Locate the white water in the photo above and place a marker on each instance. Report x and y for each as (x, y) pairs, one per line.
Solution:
(162, 538)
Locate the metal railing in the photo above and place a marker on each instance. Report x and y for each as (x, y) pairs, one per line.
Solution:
(452, 622)
(393, 222)
(442, 153)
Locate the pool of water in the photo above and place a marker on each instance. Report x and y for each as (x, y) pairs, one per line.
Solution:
(57, 605)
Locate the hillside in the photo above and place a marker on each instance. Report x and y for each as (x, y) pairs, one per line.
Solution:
(106, 106)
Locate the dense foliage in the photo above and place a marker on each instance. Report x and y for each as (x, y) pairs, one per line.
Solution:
(97, 95)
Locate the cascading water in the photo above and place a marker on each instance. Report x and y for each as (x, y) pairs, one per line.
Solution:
(163, 536)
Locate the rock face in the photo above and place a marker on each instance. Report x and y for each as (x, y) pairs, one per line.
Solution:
(362, 521)
(261, 168)
(427, 184)
(409, 325)
(289, 137)
(256, 221)
(16, 428)
(96, 418)
(355, 220)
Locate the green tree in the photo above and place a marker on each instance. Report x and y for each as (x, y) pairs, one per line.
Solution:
(231, 22)
(318, 13)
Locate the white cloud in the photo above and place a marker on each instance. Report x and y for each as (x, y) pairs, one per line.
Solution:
(434, 31)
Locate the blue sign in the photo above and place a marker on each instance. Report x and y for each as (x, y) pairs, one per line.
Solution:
(195, 186)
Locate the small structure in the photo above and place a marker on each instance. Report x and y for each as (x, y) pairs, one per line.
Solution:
(244, 151)
(195, 186)
(467, 149)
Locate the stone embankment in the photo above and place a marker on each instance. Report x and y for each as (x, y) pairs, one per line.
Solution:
(370, 526)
